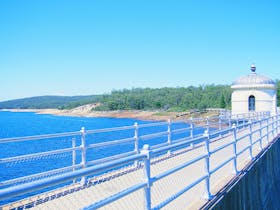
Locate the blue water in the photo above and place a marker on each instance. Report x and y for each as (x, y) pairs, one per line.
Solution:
(15, 124)
(18, 124)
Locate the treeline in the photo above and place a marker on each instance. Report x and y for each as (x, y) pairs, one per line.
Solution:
(171, 99)
(168, 99)
(48, 102)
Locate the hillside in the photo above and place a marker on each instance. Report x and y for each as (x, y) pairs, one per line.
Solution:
(48, 102)
(164, 99)
(168, 99)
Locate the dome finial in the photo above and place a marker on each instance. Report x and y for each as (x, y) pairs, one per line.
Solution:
(253, 68)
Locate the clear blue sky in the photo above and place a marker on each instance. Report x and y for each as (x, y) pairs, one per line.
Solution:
(55, 47)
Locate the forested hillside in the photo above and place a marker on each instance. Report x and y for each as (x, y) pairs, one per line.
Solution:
(168, 99)
(171, 99)
(47, 102)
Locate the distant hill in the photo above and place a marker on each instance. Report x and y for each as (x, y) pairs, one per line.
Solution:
(49, 102)
(167, 99)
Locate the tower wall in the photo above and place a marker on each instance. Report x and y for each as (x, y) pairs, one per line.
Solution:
(265, 100)
(263, 90)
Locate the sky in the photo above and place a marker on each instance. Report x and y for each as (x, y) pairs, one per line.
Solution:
(85, 47)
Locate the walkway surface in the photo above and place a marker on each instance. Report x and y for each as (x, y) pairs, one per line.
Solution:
(103, 186)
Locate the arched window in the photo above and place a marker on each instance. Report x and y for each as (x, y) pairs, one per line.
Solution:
(252, 103)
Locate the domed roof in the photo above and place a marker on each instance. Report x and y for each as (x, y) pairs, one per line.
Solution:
(253, 80)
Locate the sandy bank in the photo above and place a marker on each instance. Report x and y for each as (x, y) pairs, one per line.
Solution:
(136, 114)
(86, 111)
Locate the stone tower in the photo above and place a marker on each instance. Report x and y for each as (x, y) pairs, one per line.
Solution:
(254, 93)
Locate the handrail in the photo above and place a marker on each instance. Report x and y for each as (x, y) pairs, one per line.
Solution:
(35, 155)
(154, 135)
(40, 175)
(161, 176)
(181, 130)
(111, 143)
(103, 130)
(51, 181)
(39, 137)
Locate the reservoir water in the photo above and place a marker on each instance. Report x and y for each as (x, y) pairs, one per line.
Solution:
(19, 124)
(16, 124)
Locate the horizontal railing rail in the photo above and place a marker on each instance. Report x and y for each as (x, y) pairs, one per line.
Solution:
(40, 175)
(39, 137)
(28, 187)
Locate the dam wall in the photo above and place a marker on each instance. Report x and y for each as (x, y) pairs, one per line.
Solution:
(258, 187)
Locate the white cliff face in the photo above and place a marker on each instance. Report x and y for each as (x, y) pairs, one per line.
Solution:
(254, 92)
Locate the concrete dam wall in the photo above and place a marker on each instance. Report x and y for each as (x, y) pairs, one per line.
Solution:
(258, 187)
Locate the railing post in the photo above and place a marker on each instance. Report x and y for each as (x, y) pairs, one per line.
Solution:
(83, 152)
(136, 141)
(74, 156)
(251, 140)
(220, 122)
(136, 138)
(207, 165)
(273, 132)
(169, 132)
(191, 131)
(261, 142)
(267, 130)
(147, 176)
(229, 122)
(234, 150)
(277, 123)
(207, 124)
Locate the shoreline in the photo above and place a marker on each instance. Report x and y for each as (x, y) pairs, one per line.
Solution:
(132, 114)
(86, 111)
